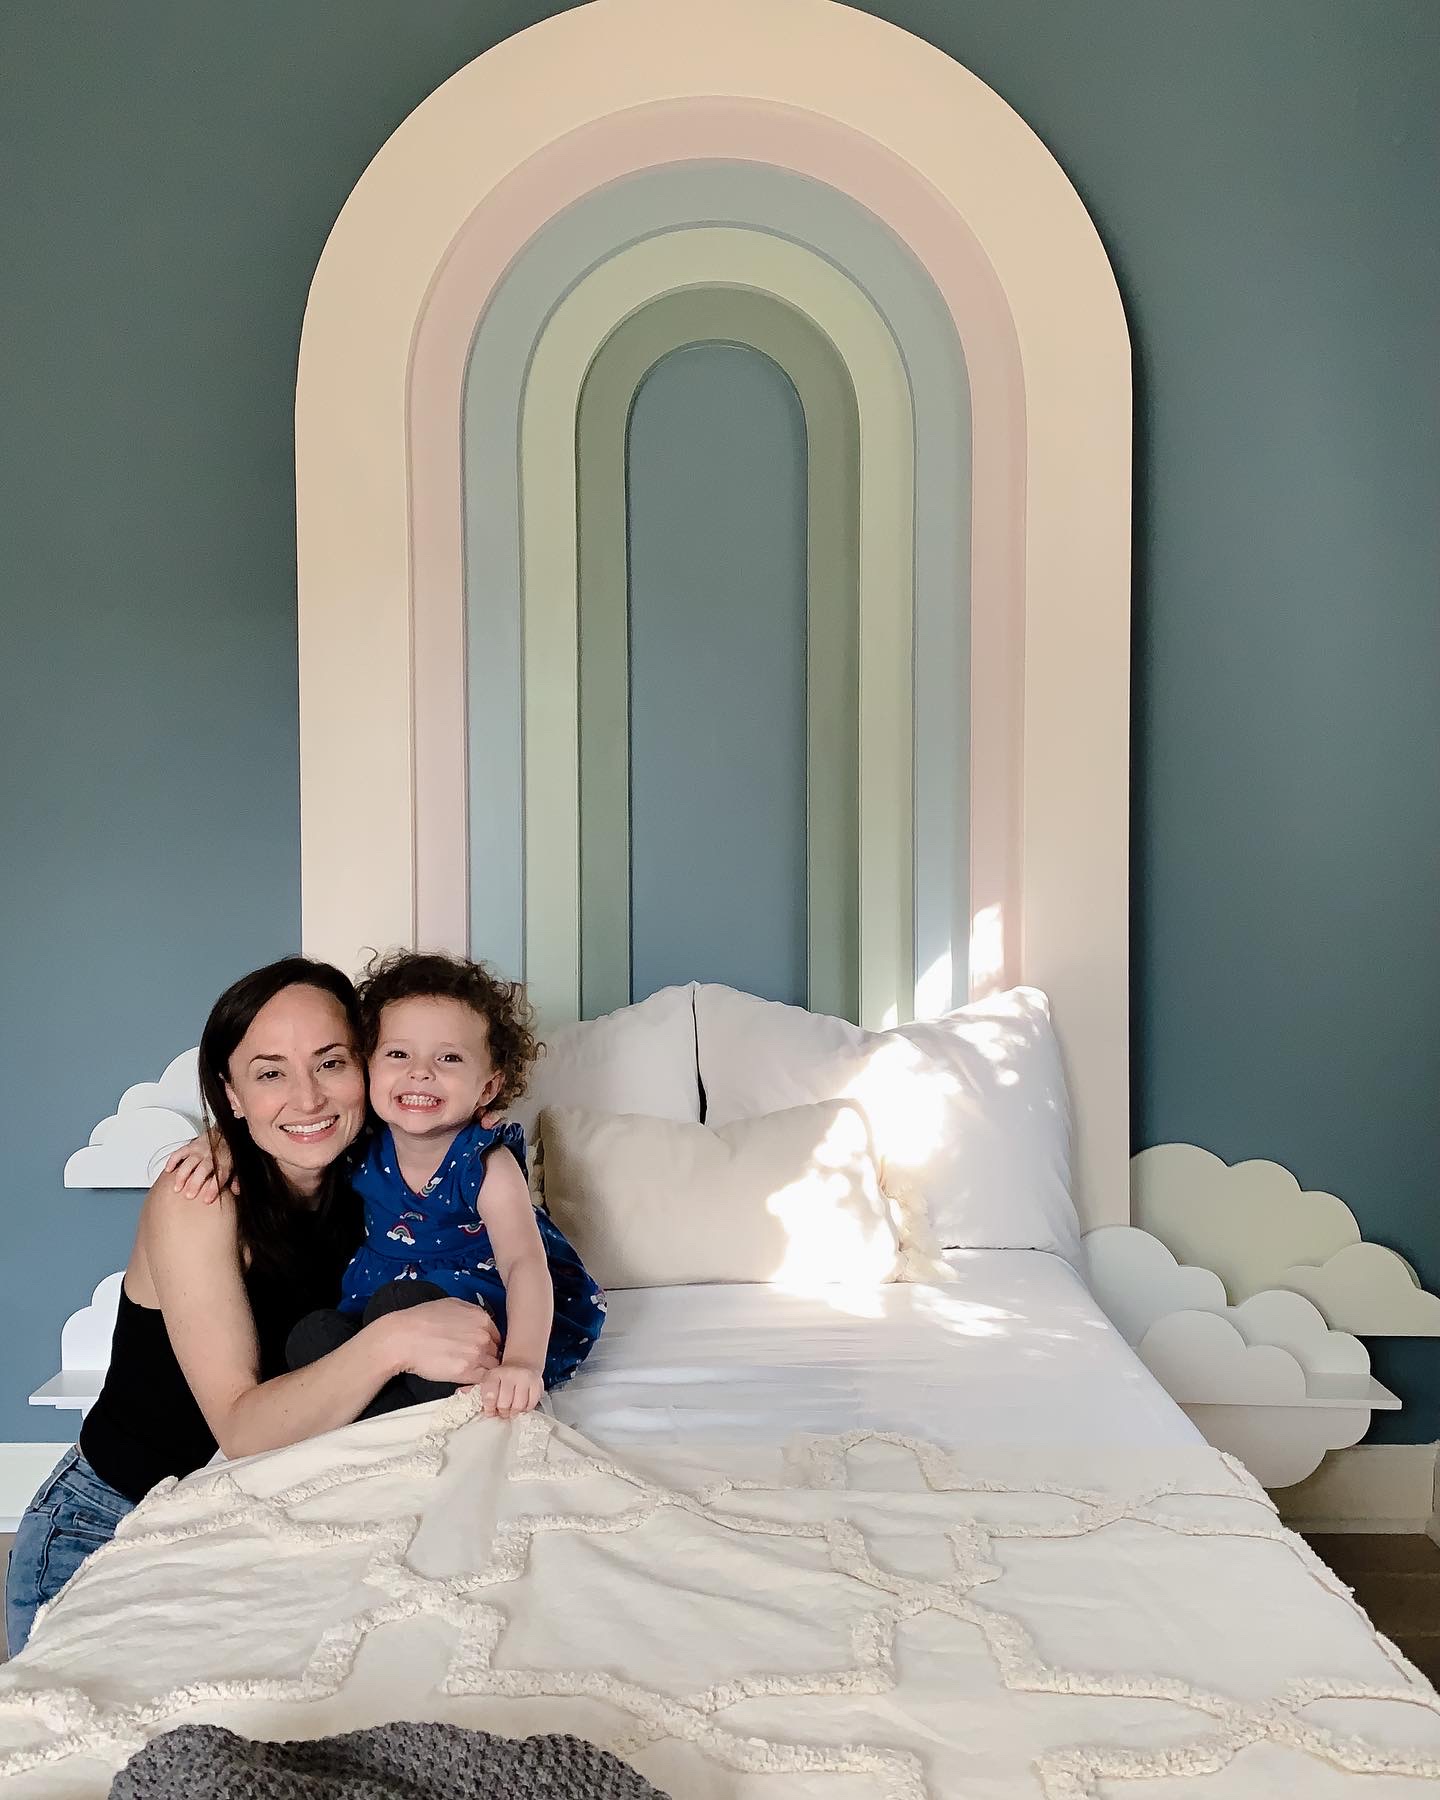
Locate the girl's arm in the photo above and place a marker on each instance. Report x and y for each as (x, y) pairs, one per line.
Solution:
(193, 1257)
(520, 1260)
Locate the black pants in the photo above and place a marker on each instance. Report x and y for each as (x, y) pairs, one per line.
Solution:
(318, 1333)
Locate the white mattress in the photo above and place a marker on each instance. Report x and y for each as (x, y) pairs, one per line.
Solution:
(1013, 1353)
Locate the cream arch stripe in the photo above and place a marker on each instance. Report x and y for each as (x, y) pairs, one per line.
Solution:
(637, 206)
(980, 200)
(832, 425)
(710, 256)
(496, 234)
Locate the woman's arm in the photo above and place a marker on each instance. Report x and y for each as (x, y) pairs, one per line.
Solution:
(509, 1217)
(193, 1257)
(201, 1167)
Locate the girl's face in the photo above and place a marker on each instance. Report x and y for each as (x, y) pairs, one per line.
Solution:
(298, 1084)
(431, 1072)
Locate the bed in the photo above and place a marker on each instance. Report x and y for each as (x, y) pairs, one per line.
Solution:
(878, 1504)
(943, 1540)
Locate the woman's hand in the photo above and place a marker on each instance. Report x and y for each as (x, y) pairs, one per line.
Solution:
(201, 1170)
(443, 1340)
(510, 1390)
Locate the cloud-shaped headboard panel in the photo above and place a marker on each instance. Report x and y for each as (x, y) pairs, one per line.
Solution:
(128, 1148)
(1257, 1228)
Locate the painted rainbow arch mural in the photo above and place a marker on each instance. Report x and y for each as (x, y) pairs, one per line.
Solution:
(913, 709)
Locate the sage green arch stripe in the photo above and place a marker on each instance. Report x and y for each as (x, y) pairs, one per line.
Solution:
(832, 426)
(802, 210)
(714, 256)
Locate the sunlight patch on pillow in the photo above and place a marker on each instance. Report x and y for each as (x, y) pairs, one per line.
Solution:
(792, 1198)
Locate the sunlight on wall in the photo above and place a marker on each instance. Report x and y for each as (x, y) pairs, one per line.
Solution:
(987, 949)
(934, 992)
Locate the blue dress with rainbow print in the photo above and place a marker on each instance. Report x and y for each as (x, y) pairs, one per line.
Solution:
(438, 1236)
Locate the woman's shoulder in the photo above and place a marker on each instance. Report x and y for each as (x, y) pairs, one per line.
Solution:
(177, 1233)
(170, 1213)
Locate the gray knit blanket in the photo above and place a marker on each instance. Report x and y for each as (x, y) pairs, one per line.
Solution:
(388, 1762)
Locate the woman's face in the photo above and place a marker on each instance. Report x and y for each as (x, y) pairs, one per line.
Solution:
(297, 1083)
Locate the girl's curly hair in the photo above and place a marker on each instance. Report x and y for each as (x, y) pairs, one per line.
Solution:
(435, 975)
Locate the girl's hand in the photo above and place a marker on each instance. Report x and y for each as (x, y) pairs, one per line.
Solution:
(510, 1390)
(201, 1170)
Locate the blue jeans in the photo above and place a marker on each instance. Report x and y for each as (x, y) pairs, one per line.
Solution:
(74, 1513)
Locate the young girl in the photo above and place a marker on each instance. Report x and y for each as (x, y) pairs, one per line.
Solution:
(447, 1204)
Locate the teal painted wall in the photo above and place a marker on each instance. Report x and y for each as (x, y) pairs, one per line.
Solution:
(717, 675)
(1262, 177)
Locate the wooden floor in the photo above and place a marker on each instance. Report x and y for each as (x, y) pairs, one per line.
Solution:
(1396, 1579)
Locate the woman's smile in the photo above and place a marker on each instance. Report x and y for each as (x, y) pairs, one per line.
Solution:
(310, 1132)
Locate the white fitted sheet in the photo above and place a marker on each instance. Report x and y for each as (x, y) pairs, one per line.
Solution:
(1014, 1352)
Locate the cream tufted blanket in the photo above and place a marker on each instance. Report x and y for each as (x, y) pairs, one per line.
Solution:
(856, 1618)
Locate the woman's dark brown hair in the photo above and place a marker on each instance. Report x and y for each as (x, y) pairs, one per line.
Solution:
(272, 1227)
(433, 975)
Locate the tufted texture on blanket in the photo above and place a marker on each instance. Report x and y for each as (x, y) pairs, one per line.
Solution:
(389, 1762)
(866, 1612)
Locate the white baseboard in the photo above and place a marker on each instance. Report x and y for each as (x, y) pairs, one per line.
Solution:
(1372, 1487)
(22, 1468)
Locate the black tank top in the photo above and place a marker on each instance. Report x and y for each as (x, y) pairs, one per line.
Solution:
(146, 1423)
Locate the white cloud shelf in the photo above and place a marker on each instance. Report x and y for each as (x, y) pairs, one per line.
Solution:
(128, 1148)
(1268, 1379)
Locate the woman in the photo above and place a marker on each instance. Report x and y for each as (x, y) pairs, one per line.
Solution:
(212, 1292)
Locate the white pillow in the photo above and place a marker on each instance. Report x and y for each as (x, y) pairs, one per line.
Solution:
(969, 1112)
(640, 1059)
(793, 1198)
